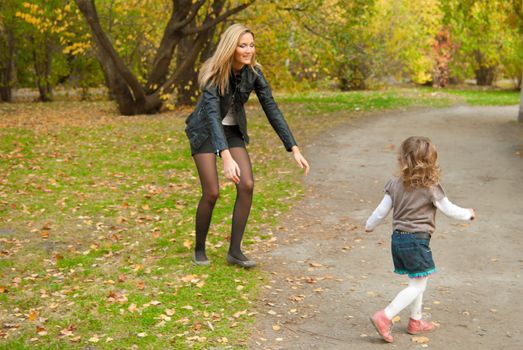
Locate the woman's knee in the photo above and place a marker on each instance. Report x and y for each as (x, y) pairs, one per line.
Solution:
(211, 196)
(246, 186)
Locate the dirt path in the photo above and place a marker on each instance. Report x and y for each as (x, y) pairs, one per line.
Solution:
(328, 276)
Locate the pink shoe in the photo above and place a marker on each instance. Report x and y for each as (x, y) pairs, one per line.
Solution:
(383, 325)
(419, 326)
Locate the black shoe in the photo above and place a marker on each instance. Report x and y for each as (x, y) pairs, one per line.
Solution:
(200, 262)
(242, 263)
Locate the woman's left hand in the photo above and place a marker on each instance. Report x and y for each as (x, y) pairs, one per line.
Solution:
(302, 162)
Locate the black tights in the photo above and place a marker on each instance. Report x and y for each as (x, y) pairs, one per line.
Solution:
(206, 165)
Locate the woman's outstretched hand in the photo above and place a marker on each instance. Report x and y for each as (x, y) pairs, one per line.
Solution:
(231, 170)
(302, 162)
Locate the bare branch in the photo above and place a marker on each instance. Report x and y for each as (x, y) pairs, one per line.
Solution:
(218, 19)
(193, 12)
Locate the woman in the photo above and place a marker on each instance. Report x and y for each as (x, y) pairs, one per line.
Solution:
(218, 126)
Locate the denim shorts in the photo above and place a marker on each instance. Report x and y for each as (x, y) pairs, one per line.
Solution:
(232, 134)
(411, 255)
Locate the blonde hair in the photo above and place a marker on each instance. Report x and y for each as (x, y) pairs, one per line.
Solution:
(418, 160)
(217, 69)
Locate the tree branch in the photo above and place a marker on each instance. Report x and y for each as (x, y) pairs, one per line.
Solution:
(218, 19)
(193, 12)
(88, 8)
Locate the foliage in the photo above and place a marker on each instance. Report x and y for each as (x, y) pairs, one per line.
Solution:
(488, 38)
(310, 44)
(404, 32)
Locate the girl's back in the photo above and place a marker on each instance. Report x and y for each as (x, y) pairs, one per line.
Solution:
(413, 207)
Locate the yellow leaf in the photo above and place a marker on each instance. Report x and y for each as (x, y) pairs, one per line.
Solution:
(188, 278)
(33, 315)
(420, 340)
(187, 244)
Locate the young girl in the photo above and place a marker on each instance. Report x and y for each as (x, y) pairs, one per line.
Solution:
(414, 197)
(218, 127)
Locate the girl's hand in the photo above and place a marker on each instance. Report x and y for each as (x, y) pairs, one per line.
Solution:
(231, 170)
(302, 162)
(472, 214)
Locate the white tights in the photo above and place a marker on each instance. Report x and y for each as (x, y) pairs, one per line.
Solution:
(413, 294)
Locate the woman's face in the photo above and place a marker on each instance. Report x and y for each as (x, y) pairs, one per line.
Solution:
(244, 51)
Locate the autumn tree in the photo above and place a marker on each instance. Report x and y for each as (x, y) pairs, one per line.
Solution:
(189, 20)
(517, 18)
(488, 44)
(40, 40)
(443, 49)
(8, 31)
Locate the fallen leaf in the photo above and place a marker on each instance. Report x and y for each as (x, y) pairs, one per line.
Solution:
(187, 244)
(76, 339)
(132, 308)
(40, 330)
(189, 278)
(420, 340)
(276, 327)
(239, 313)
(94, 339)
(310, 280)
(33, 315)
(315, 264)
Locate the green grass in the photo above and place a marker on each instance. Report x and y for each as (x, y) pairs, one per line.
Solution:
(487, 97)
(367, 100)
(102, 209)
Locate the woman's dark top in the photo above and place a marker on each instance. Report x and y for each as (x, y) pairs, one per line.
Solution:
(211, 108)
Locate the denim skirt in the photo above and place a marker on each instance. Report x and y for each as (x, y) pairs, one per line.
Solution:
(411, 254)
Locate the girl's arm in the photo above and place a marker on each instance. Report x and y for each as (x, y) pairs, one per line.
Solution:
(452, 210)
(381, 211)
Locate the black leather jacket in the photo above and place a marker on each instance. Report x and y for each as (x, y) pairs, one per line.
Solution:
(206, 119)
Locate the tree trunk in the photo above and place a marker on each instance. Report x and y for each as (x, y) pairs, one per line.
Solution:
(520, 115)
(42, 65)
(6, 71)
(133, 98)
(197, 49)
(484, 74)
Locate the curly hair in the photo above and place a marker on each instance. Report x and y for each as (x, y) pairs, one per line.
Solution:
(418, 161)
